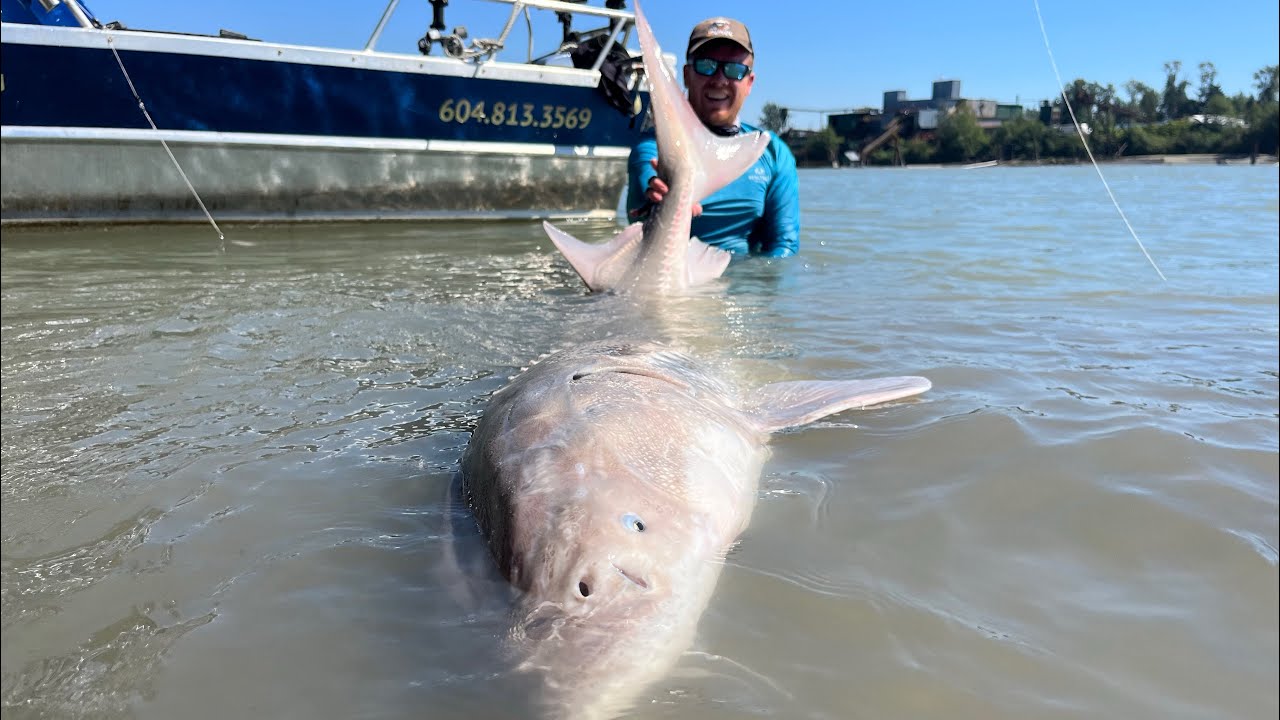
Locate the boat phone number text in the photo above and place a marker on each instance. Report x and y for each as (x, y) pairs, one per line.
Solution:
(554, 117)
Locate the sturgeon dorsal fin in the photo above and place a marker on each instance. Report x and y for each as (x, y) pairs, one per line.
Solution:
(601, 266)
(791, 404)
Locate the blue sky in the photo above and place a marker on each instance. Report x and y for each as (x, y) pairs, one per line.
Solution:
(827, 54)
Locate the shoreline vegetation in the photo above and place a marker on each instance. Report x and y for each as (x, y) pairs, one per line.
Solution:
(1173, 159)
(1149, 126)
(1186, 159)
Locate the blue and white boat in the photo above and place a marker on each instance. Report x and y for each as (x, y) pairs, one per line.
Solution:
(279, 132)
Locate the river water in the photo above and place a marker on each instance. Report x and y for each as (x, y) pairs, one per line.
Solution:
(225, 468)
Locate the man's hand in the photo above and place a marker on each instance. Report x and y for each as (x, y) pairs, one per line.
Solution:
(658, 189)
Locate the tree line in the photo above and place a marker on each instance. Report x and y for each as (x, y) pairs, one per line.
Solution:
(1144, 121)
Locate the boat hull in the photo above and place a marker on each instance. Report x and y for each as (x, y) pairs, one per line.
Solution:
(127, 177)
(276, 132)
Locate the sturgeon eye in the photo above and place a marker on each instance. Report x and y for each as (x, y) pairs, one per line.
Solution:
(633, 522)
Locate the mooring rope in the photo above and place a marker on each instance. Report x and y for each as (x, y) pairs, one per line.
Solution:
(1085, 142)
(147, 115)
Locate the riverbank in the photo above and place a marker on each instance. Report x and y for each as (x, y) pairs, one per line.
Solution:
(1189, 159)
(1185, 159)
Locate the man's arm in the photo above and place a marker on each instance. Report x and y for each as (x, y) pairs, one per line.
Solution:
(778, 233)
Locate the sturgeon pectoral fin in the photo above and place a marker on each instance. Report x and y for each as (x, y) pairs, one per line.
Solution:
(790, 404)
(600, 266)
(704, 262)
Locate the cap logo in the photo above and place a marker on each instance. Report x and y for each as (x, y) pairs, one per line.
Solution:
(720, 28)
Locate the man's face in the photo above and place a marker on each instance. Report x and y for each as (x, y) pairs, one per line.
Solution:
(716, 100)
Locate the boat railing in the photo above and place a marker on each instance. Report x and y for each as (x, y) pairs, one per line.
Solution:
(620, 23)
(454, 45)
(382, 23)
(617, 32)
(55, 12)
(80, 15)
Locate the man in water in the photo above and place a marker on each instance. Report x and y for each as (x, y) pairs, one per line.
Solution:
(758, 213)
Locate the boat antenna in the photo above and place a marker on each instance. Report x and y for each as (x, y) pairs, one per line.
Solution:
(1085, 141)
(142, 106)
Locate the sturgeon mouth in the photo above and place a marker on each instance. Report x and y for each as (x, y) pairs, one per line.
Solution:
(633, 579)
(627, 370)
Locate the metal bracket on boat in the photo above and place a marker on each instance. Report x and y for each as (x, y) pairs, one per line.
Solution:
(454, 44)
(480, 49)
(602, 49)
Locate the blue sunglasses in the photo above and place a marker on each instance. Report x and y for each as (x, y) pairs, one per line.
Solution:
(731, 70)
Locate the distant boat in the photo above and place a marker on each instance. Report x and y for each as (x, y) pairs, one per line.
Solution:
(980, 165)
(268, 131)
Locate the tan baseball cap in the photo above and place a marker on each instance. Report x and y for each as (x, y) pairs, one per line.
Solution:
(719, 28)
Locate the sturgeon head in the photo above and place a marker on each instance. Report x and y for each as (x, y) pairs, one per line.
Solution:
(658, 256)
(609, 481)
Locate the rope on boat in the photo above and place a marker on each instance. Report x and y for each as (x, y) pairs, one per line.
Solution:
(142, 106)
(1085, 141)
(482, 48)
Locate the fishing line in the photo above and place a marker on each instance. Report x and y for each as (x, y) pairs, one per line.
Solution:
(1085, 142)
(147, 115)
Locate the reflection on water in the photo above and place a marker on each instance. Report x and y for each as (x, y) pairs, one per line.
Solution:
(225, 474)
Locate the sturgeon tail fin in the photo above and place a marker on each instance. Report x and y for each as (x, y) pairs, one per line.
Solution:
(711, 160)
(724, 159)
(601, 266)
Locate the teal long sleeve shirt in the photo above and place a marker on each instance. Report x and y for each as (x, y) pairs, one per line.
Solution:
(758, 213)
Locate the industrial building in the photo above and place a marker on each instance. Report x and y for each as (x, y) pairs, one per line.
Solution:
(868, 128)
